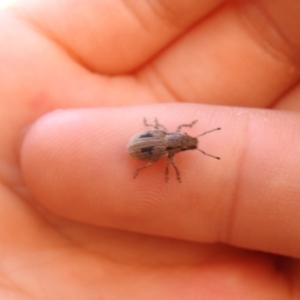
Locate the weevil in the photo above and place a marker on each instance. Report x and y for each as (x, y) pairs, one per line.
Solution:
(152, 145)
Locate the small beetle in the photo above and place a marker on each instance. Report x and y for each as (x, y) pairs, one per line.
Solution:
(151, 145)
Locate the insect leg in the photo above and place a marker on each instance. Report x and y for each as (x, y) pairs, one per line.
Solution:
(167, 170)
(172, 159)
(185, 125)
(156, 125)
(143, 167)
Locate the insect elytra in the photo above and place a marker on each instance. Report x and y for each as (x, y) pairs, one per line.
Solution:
(152, 145)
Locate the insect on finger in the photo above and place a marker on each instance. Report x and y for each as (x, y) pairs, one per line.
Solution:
(152, 145)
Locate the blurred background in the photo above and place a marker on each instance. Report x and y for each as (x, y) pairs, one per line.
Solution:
(5, 3)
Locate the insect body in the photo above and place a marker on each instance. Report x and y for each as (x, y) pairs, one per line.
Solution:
(151, 145)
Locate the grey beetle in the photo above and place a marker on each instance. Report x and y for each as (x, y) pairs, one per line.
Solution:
(151, 145)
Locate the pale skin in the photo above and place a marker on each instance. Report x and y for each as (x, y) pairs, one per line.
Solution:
(230, 230)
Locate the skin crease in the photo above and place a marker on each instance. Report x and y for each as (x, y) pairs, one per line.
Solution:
(82, 72)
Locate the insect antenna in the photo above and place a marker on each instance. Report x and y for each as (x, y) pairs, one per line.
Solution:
(216, 157)
(209, 131)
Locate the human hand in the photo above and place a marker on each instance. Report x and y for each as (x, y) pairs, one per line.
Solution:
(209, 237)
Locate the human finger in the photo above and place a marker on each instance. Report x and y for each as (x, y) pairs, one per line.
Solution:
(114, 37)
(245, 54)
(75, 164)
